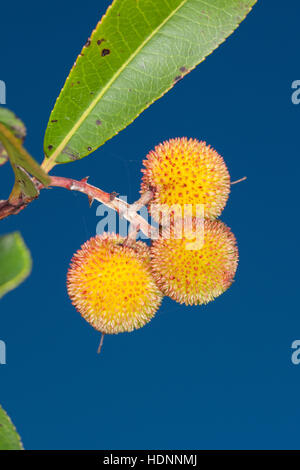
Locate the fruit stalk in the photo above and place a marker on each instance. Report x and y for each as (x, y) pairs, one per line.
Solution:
(128, 211)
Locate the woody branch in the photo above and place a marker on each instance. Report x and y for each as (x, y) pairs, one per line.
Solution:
(128, 211)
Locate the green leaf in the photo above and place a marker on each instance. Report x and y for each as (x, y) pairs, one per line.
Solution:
(23, 164)
(10, 120)
(15, 262)
(138, 51)
(13, 123)
(9, 438)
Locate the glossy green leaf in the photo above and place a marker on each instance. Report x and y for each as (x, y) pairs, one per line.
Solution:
(9, 438)
(24, 184)
(23, 164)
(13, 123)
(138, 51)
(15, 262)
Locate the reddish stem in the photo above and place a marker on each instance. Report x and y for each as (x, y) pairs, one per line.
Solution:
(129, 212)
(73, 185)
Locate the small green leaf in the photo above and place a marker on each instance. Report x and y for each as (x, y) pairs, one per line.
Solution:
(9, 438)
(25, 184)
(10, 120)
(15, 262)
(14, 124)
(138, 51)
(23, 164)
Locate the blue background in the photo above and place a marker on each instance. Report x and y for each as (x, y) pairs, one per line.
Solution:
(209, 377)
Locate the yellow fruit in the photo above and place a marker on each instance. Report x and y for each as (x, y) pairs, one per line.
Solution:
(183, 171)
(195, 276)
(111, 285)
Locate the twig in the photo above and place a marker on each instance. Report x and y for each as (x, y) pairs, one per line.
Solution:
(81, 186)
(100, 344)
(239, 181)
(143, 201)
(133, 231)
(7, 208)
(129, 212)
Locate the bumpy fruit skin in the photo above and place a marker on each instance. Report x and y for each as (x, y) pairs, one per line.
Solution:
(182, 171)
(111, 284)
(195, 276)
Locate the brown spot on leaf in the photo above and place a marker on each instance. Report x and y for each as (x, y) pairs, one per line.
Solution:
(54, 120)
(105, 52)
(183, 69)
(176, 79)
(88, 43)
(98, 122)
(50, 147)
(73, 155)
(89, 149)
(100, 41)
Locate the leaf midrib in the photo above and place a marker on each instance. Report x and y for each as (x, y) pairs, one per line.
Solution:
(85, 114)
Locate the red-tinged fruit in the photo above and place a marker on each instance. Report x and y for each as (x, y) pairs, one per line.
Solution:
(111, 284)
(186, 171)
(194, 270)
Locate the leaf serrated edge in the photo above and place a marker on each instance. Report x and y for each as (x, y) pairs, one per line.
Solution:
(14, 428)
(49, 162)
